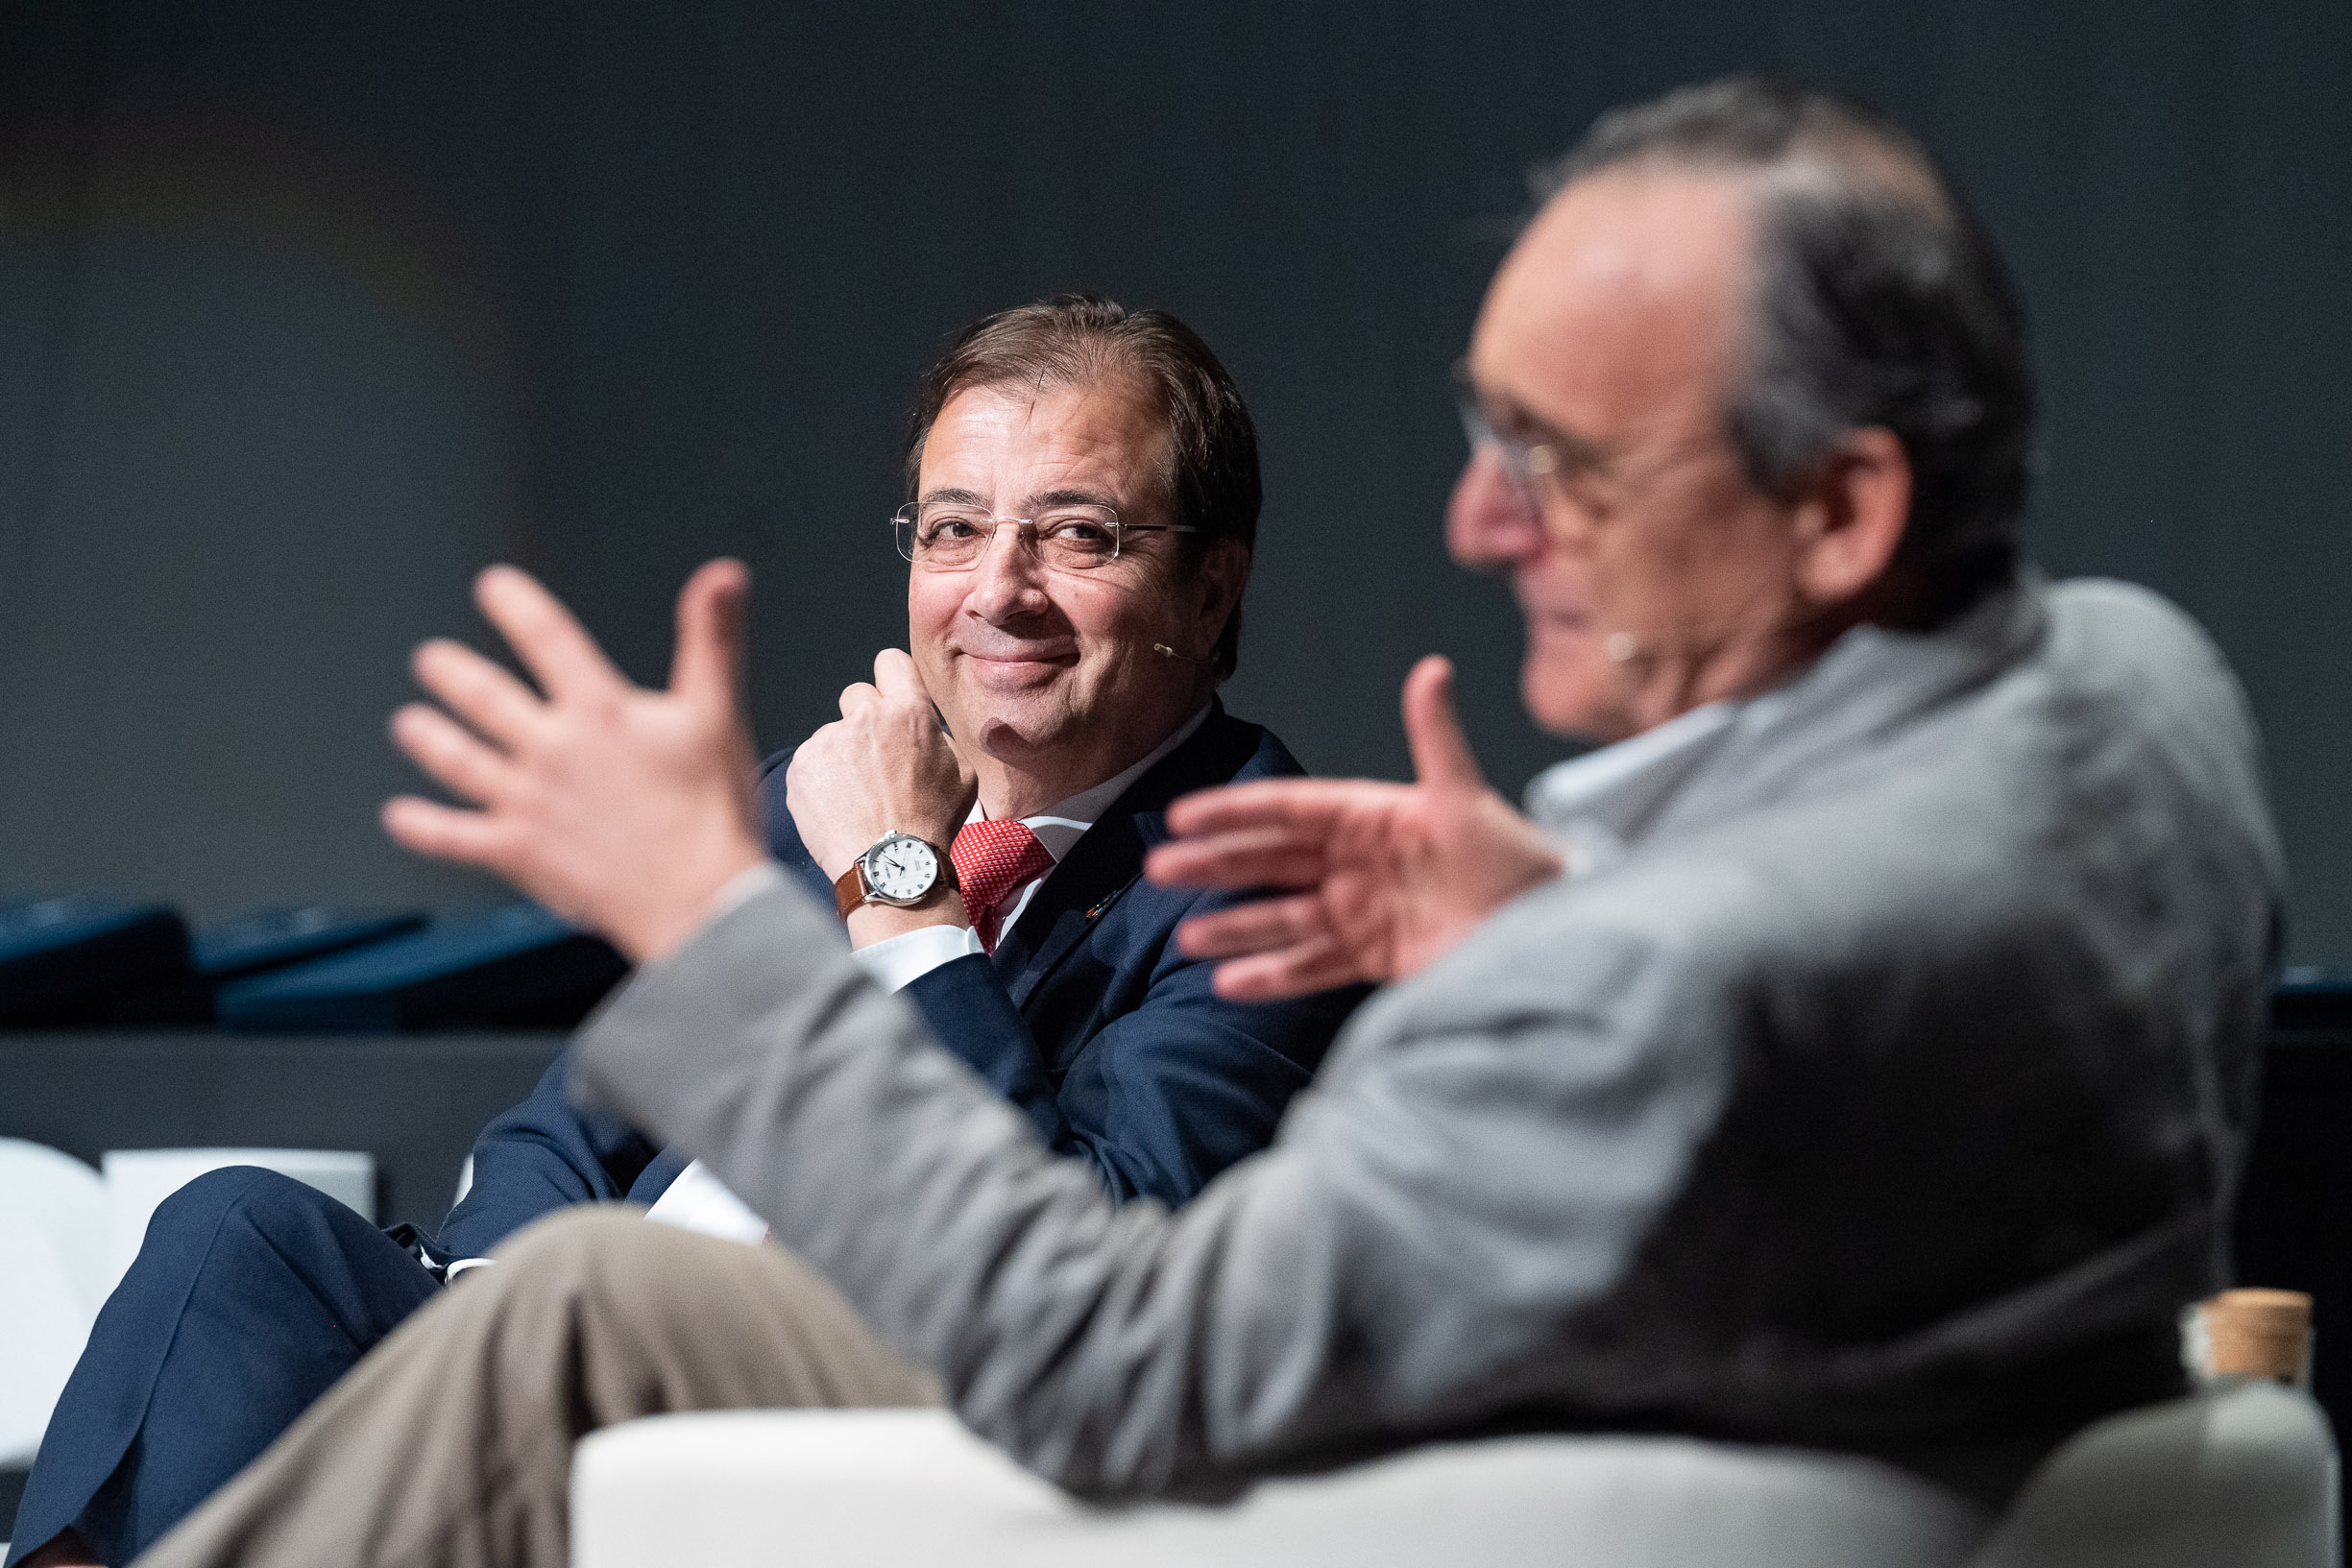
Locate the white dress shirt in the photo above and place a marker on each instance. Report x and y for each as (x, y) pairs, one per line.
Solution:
(698, 1200)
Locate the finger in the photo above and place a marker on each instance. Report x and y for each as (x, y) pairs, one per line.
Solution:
(896, 678)
(1306, 805)
(445, 832)
(1441, 753)
(544, 634)
(478, 691)
(714, 612)
(1277, 977)
(1267, 926)
(856, 696)
(1259, 858)
(453, 756)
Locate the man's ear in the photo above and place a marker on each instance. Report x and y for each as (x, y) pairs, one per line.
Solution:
(1850, 520)
(1223, 577)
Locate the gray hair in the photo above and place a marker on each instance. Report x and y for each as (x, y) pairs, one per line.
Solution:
(1877, 299)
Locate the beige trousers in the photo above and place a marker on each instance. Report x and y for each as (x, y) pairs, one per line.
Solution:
(451, 1443)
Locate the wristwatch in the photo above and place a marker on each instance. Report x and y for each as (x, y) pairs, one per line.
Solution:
(900, 870)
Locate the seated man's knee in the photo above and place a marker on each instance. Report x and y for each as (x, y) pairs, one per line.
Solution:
(726, 1323)
(605, 1249)
(569, 1233)
(570, 1246)
(239, 1218)
(269, 1202)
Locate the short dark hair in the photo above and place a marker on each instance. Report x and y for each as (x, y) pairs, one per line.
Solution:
(1879, 300)
(1075, 339)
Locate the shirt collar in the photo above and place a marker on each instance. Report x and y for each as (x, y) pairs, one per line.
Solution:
(1729, 755)
(1062, 824)
(1600, 804)
(1595, 805)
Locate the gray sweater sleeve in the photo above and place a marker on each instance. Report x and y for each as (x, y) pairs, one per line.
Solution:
(1398, 1261)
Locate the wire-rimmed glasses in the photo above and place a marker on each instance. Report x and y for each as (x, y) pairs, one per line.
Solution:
(1594, 481)
(947, 536)
(1528, 461)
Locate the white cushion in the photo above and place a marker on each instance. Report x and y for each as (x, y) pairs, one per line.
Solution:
(53, 1256)
(877, 1487)
(2242, 1475)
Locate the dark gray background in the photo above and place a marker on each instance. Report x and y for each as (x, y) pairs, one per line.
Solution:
(308, 311)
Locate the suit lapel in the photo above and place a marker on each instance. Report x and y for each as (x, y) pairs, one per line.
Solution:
(1107, 861)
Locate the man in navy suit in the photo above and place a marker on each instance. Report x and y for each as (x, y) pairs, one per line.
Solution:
(1085, 490)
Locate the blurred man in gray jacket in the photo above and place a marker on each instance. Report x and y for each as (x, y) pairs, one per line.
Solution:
(1855, 1055)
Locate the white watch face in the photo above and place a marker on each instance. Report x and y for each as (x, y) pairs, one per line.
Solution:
(901, 867)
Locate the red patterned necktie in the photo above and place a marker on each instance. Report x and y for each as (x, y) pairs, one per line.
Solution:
(992, 858)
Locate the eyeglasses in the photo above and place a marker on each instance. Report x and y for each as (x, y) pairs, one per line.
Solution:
(1593, 481)
(1528, 461)
(951, 537)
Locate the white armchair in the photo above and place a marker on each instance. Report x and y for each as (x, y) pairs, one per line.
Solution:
(2242, 1476)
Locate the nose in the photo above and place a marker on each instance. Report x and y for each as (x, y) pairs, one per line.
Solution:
(1005, 585)
(1491, 522)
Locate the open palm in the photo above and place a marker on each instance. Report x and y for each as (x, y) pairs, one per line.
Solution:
(1382, 877)
(622, 809)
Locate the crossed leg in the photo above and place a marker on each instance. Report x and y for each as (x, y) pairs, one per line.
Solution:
(450, 1444)
(250, 1297)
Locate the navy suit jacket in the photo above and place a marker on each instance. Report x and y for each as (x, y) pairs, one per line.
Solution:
(1086, 1016)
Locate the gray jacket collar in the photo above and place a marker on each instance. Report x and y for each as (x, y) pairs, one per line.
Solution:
(1730, 757)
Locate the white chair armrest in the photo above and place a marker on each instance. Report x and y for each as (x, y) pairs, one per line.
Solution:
(887, 1487)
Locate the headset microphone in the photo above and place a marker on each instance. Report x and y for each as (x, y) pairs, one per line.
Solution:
(1624, 647)
(1163, 648)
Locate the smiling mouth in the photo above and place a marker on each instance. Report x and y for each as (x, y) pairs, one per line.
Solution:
(1024, 664)
(1024, 656)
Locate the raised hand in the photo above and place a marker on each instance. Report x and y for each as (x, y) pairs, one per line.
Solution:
(623, 809)
(1387, 877)
(884, 765)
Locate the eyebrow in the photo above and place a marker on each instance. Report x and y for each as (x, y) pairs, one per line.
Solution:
(1071, 497)
(1035, 503)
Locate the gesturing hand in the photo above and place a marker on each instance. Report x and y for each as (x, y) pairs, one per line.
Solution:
(1388, 876)
(624, 809)
(883, 765)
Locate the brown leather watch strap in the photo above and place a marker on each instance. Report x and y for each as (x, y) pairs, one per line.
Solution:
(849, 888)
